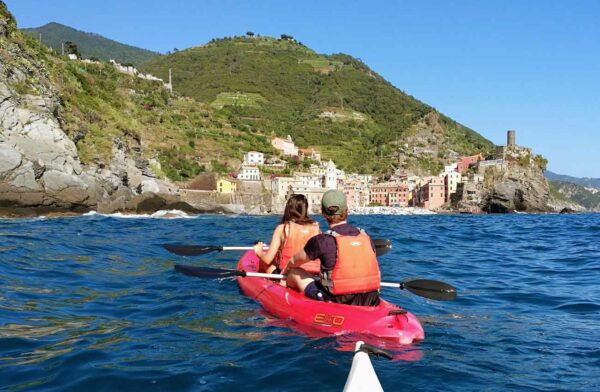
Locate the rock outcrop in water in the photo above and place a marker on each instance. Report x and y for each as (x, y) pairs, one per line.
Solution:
(519, 186)
(516, 185)
(516, 189)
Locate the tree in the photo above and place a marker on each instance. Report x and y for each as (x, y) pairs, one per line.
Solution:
(71, 48)
(250, 34)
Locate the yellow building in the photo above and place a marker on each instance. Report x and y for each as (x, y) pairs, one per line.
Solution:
(226, 186)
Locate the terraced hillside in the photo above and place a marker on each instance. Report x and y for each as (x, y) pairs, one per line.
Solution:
(275, 87)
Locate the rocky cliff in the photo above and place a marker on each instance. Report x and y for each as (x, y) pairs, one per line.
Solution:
(40, 168)
(519, 185)
(515, 189)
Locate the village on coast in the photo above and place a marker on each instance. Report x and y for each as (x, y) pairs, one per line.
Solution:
(400, 194)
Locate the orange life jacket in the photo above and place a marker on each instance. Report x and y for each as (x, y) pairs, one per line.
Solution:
(356, 269)
(295, 240)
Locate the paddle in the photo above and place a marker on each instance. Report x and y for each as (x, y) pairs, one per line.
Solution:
(382, 246)
(431, 289)
(372, 350)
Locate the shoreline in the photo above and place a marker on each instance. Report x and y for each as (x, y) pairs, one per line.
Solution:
(175, 213)
(390, 211)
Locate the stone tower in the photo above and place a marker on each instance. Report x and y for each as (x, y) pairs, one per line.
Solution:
(510, 138)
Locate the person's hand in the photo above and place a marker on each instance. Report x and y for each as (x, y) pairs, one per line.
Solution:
(259, 248)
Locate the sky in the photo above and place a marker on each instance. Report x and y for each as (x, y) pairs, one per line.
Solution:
(495, 65)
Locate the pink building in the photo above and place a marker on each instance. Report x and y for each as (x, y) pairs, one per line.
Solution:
(465, 162)
(357, 193)
(431, 195)
(399, 197)
(390, 194)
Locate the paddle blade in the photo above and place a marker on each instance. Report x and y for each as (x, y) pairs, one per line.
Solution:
(201, 272)
(382, 246)
(432, 289)
(372, 350)
(191, 250)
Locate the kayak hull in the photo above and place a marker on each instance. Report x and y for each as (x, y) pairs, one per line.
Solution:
(362, 376)
(386, 320)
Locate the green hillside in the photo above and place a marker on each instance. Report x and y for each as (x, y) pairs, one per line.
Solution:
(567, 191)
(585, 181)
(91, 45)
(266, 86)
(234, 95)
(100, 108)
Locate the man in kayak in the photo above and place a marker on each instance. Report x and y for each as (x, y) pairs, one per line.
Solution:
(349, 269)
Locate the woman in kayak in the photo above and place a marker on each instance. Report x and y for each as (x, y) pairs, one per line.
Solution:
(290, 236)
(349, 269)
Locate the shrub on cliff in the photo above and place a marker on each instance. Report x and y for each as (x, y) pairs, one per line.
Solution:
(8, 24)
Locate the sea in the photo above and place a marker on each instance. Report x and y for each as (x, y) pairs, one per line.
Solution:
(92, 303)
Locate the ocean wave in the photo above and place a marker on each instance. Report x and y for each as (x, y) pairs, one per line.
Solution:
(390, 211)
(162, 214)
(580, 307)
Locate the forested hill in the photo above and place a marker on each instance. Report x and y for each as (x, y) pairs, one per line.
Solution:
(335, 103)
(581, 181)
(587, 197)
(90, 45)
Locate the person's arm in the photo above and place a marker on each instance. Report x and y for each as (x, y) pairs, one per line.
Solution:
(268, 256)
(296, 261)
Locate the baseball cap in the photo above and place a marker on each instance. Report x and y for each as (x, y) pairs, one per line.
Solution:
(333, 198)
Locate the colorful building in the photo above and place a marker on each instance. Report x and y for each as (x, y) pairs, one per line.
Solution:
(430, 195)
(357, 193)
(466, 162)
(226, 186)
(399, 197)
(390, 194)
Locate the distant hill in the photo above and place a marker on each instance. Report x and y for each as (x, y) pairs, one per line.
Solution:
(90, 44)
(585, 181)
(335, 103)
(567, 191)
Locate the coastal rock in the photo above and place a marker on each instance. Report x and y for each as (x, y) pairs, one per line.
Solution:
(40, 168)
(10, 159)
(517, 188)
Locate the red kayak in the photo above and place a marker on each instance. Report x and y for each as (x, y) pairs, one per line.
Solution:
(386, 320)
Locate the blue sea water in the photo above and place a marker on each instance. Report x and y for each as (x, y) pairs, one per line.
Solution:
(92, 303)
